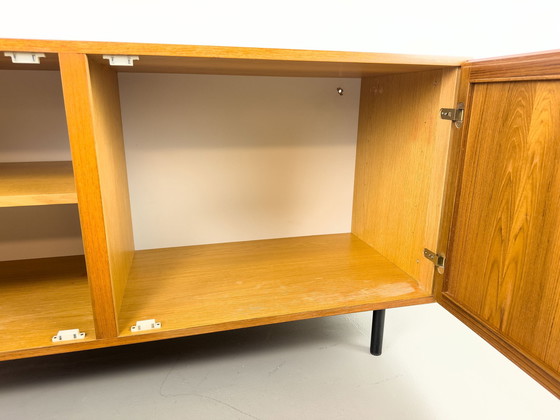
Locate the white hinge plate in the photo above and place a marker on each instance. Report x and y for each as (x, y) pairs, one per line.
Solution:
(25, 57)
(145, 325)
(68, 335)
(121, 60)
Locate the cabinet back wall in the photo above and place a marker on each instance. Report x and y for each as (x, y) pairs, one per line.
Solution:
(215, 159)
(33, 129)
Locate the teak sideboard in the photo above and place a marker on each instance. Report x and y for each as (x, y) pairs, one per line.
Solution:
(456, 200)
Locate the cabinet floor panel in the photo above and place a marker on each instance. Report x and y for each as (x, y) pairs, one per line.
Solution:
(232, 285)
(40, 297)
(36, 183)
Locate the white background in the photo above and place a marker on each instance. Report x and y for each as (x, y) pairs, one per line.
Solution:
(474, 28)
(452, 372)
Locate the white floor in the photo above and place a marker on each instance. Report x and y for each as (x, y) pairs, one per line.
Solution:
(433, 367)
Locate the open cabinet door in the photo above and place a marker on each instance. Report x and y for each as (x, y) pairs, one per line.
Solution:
(501, 230)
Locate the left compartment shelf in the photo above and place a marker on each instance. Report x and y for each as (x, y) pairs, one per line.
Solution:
(44, 284)
(36, 183)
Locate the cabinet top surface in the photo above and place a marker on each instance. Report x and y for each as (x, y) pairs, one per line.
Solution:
(206, 51)
(241, 60)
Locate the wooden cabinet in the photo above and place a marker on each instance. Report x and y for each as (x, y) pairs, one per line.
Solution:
(482, 197)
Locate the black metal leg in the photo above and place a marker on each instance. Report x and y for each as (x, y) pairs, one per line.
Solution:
(377, 325)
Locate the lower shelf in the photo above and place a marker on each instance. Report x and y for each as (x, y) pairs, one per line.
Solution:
(40, 297)
(221, 286)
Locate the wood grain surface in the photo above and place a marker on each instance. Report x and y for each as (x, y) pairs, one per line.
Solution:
(452, 179)
(537, 66)
(259, 282)
(199, 59)
(206, 288)
(260, 66)
(400, 163)
(40, 297)
(205, 51)
(36, 184)
(93, 114)
(113, 177)
(505, 251)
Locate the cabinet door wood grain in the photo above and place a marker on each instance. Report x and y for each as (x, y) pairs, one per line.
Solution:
(503, 273)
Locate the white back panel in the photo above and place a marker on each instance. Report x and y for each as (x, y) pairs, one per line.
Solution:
(33, 128)
(230, 158)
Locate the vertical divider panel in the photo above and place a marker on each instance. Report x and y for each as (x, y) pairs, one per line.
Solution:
(93, 114)
(400, 166)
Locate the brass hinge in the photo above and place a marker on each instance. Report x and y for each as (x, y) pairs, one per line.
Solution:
(438, 260)
(454, 114)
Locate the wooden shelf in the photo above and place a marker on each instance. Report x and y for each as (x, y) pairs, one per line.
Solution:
(215, 287)
(40, 297)
(36, 184)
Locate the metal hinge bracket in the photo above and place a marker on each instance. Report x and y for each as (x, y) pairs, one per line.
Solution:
(438, 260)
(68, 335)
(454, 114)
(25, 57)
(121, 60)
(145, 325)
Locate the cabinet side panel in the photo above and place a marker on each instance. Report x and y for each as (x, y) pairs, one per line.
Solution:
(109, 143)
(400, 166)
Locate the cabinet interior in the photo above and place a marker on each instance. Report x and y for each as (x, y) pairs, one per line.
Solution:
(218, 193)
(43, 281)
(372, 259)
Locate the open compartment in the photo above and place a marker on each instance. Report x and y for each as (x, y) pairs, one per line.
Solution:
(43, 281)
(35, 161)
(260, 194)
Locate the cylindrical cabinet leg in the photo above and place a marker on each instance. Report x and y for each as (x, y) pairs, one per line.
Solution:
(377, 325)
